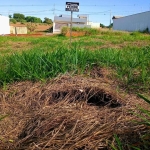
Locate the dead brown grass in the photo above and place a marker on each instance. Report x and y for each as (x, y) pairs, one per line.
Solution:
(67, 113)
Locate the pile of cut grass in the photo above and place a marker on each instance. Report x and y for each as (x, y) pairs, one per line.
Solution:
(61, 114)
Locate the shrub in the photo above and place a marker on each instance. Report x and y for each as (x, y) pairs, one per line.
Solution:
(87, 31)
(23, 21)
(13, 20)
(64, 30)
(146, 30)
(31, 26)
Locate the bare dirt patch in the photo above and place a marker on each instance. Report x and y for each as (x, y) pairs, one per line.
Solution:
(40, 27)
(66, 113)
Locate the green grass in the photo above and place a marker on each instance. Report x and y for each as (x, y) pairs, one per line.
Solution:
(131, 65)
(87, 31)
(50, 56)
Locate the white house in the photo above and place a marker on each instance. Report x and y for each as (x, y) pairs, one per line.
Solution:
(94, 25)
(65, 20)
(135, 22)
(4, 25)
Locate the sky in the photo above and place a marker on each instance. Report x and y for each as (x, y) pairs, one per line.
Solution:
(100, 11)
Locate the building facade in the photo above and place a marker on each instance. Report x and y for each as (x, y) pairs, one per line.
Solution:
(4, 25)
(135, 22)
(65, 20)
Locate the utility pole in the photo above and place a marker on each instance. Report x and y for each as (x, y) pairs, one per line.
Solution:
(110, 17)
(54, 10)
(110, 20)
(71, 28)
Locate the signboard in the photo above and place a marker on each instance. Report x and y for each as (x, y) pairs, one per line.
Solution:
(72, 6)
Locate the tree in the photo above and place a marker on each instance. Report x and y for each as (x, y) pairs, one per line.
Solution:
(33, 19)
(13, 20)
(101, 25)
(47, 20)
(31, 26)
(110, 26)
(18, 16)
(10, 16)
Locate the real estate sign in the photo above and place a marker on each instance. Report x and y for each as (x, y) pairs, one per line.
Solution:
(72, 6)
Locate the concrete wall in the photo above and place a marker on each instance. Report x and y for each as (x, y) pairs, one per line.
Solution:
(18, 30)
(136, 22)
(4, 25)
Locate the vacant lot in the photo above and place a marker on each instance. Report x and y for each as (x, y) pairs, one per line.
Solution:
(40, 27)
(82, 97)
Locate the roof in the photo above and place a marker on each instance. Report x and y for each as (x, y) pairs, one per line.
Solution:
(116, 17)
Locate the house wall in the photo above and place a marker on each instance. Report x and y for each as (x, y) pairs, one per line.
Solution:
(68, 20)
(4, 25)
(62, 21)
(94, 25)
(136, 22)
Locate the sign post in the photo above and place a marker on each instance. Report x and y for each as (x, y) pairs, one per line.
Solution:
(73, 7)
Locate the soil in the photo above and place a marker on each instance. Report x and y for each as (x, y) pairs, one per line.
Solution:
(75, 34)
(41, 27)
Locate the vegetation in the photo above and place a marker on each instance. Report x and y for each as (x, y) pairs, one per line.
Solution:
(48, 59)
(13, 20)
(47, 20)
(126, 55)
(33, 19)
(17, 17)
(87, 31)
(31, 26)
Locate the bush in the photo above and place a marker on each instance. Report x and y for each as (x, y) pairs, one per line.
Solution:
(23, 21)
(47, 20)
(64, 30)
(87, 31)
(146, 30)
(18, 16)
(13, 20)
(31, 26)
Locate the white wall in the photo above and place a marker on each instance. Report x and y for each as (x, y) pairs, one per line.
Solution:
(94, 25)
(68, 19)
(4, 25)
(136, 22)
(62, 21)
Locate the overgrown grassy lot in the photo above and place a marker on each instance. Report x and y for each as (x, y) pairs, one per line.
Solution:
(53, 96)
(127, 54)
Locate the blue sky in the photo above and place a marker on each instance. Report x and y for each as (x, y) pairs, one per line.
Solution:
(98, 10)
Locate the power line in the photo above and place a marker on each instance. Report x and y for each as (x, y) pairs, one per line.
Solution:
(95, 5)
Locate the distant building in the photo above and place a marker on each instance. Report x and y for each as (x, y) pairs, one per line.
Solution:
(4, 25)
(94, 25)
(135, 22)
(65, 20)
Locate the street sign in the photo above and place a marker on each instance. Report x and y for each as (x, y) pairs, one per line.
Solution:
(72, 6)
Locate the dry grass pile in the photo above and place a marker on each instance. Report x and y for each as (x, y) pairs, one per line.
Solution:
(70, 113)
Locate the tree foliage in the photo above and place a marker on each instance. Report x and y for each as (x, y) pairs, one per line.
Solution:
(102, 25)
(21, 18)
(33, 19)
(31, 26)
(47, 20)
(10, 16)
(18, 17)
(13, 20)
